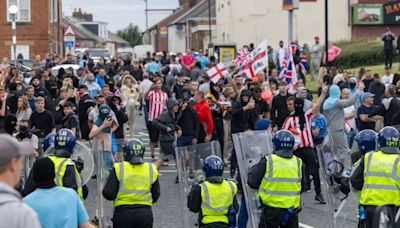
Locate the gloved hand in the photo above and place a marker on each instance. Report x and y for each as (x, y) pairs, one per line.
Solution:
(79, 164)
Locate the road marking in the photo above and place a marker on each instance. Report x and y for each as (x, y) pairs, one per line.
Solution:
(142, 133)
(174, 171)
(305, 225)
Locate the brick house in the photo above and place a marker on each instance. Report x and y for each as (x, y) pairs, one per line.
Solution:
(39, 28)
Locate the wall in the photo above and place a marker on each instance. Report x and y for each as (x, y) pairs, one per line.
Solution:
(34, 33)
(243, 22)
(176, 39)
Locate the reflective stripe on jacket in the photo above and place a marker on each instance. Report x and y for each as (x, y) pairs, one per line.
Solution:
(135, 182)
(281, 184)
(216, 198)
(381, 179)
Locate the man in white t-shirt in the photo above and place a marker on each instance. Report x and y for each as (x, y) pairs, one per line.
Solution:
(144, 86)
(349, 119)
(387, 79)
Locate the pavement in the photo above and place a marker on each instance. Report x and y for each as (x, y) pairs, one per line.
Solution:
(170, 210)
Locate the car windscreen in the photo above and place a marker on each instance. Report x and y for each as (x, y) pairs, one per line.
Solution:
(98, 53)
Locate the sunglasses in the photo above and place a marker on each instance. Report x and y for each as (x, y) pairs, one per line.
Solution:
(257, 91)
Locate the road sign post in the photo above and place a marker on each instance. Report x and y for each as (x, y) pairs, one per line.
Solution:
(69, 40)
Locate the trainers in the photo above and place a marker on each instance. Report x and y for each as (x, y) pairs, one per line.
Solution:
(320, 198)
(306, 188)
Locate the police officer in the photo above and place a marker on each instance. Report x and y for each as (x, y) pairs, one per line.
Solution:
(278, 180)
(215, 198)
(366, 141)
(133, 187)
(378, 176)
(67, 174)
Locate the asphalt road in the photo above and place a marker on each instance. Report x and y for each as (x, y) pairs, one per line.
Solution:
(170, 209)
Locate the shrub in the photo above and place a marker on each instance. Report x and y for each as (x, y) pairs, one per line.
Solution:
(361, 53)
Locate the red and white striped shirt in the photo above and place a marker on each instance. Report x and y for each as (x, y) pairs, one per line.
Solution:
(305, 137)
(157, 103)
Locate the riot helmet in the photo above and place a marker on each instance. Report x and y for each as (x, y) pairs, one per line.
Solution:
(388, 140)
(213, 168)
(283, 142)
(366, 140)
(134, 151)
(64, 142)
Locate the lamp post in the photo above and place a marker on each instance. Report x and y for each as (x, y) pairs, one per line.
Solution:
(13, 9)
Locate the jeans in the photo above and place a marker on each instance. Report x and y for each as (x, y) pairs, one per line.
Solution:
(219, 129)
(350, 137)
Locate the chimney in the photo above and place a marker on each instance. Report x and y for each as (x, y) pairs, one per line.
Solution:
(82, 15)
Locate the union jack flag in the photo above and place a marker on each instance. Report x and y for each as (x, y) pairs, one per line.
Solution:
(241, 58)
(288, 71)
(303, 63)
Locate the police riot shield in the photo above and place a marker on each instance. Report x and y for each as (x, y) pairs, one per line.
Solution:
(335, 181)
(385, 217)
(104, 164)
(83, 158)
(189, 162)
(250, 147)
(27, 167)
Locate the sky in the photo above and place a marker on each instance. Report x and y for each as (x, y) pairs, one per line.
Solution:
(119, 13)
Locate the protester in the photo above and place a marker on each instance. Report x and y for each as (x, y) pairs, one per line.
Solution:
(49, 199)
(316, 55)
(157, 104)
(388, 37)
(334, 113)
(130, 97)
(13, 212)
(333, 53)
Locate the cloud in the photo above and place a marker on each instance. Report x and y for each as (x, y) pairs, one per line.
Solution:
(119, 13)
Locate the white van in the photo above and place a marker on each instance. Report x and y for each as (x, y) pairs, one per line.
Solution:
(139, 51)
(93, 53)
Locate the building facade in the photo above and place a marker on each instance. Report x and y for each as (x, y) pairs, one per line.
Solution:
(37, 33)
(245, 22)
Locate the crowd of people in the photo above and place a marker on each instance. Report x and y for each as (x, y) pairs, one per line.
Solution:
(179, 102)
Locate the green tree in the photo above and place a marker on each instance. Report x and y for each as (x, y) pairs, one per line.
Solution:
(131, 34)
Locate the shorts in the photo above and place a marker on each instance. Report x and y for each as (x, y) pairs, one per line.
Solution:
(167, 149)
(153, 132)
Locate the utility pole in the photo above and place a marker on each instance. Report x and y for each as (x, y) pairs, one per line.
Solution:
(326, 33)
(147, 23)
(209, 20)
(147, 10)
(290, 32)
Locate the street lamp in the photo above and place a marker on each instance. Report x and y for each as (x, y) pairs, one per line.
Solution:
(13, 9)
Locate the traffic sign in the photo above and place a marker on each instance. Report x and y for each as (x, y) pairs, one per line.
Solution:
(69, 44)
(69, 31)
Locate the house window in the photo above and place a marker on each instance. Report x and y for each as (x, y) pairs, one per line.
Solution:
(54, 10)
(24, 10)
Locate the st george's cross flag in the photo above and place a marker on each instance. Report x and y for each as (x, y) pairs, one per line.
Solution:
(257, 61)
(217, 72)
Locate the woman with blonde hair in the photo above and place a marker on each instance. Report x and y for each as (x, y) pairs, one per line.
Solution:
(130, 96)
(23, 110)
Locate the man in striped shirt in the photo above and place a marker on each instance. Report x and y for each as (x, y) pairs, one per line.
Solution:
(157, 105)
(299, 123)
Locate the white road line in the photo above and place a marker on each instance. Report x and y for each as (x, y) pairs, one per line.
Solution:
(174, 171)
(305, 225)
(142, 133)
